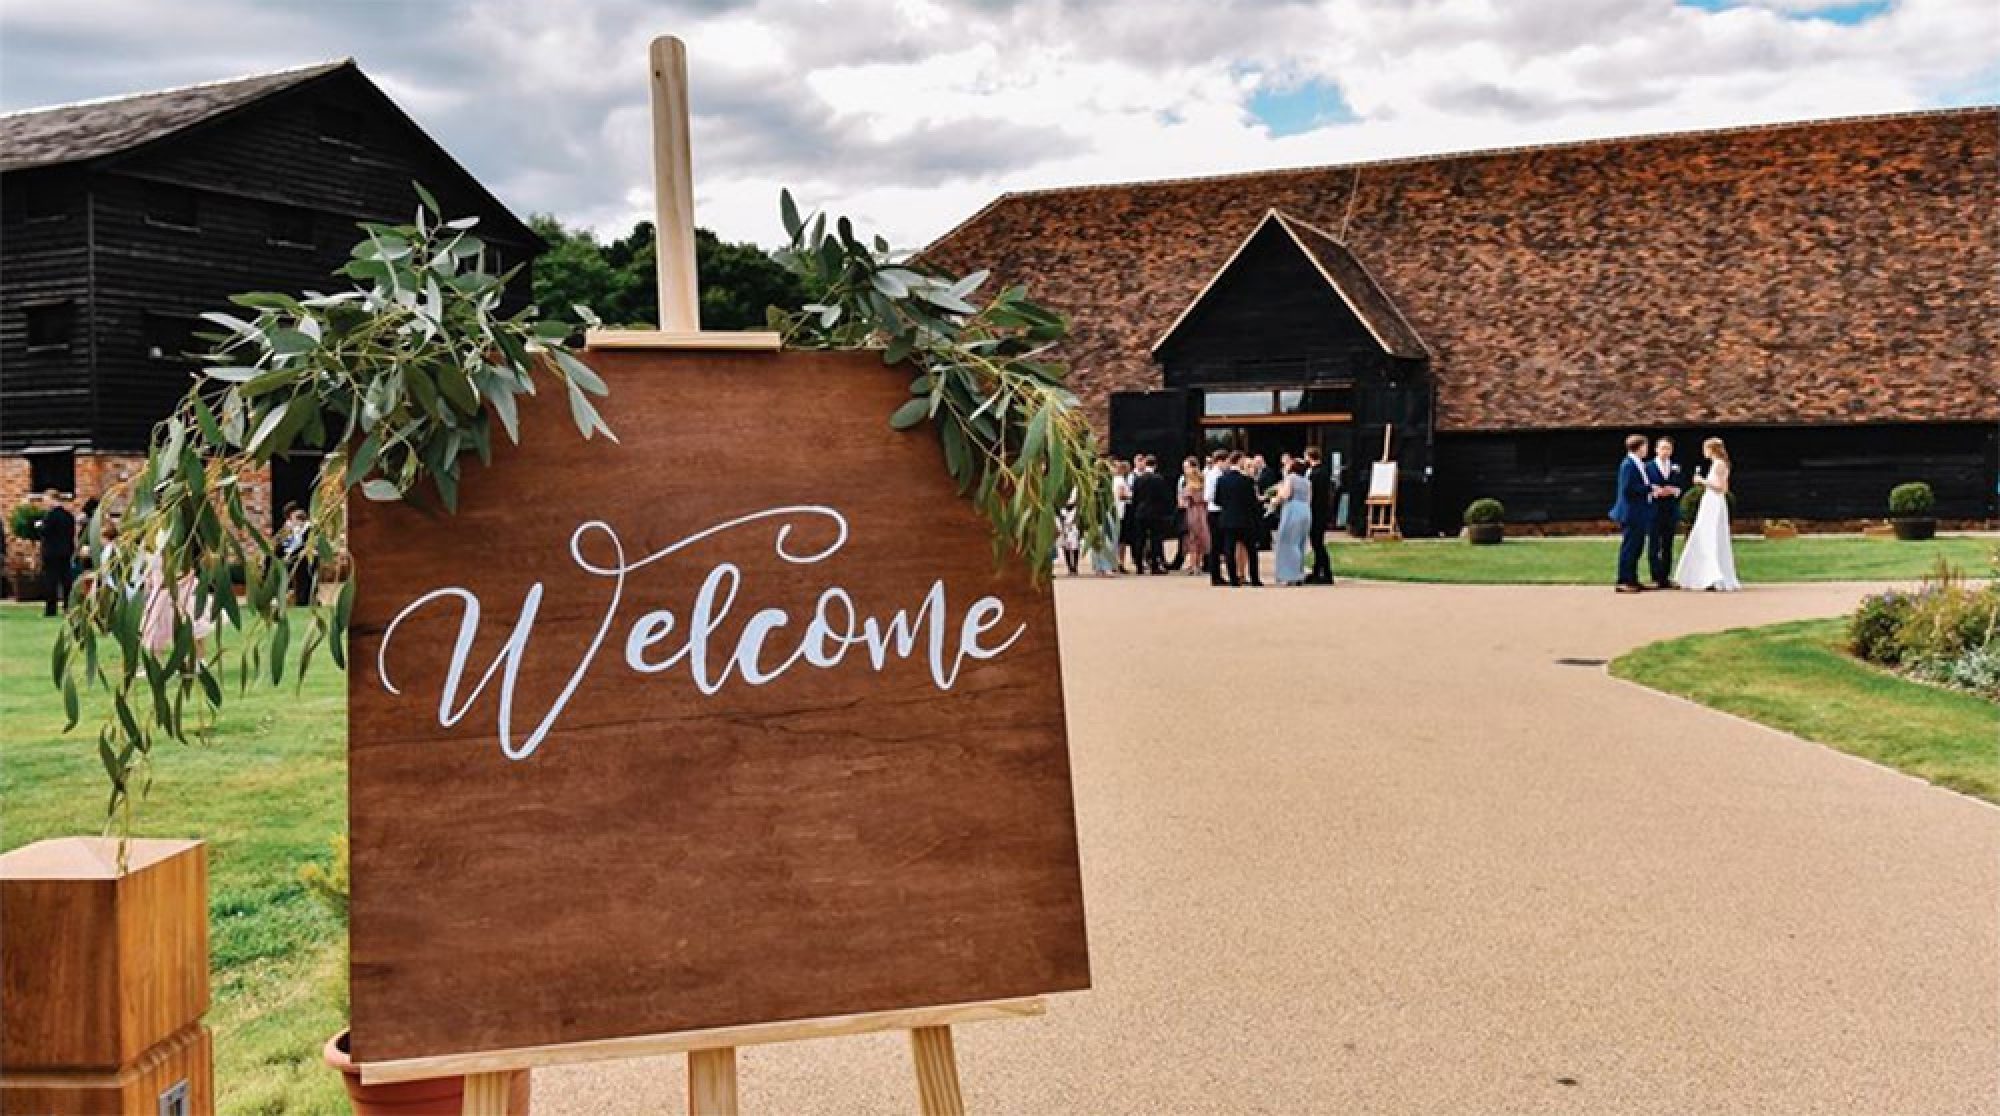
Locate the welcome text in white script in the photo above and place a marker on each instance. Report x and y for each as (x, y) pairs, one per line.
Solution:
(835, 627)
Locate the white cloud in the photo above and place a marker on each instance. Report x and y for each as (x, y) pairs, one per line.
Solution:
(910, 114)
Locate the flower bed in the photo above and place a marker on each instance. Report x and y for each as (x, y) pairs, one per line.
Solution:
(1946, 633)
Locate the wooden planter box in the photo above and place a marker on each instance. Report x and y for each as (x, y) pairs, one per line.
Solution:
(1780, 531)
(105, 978)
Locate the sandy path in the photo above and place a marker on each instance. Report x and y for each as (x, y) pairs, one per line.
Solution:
(1373, 850)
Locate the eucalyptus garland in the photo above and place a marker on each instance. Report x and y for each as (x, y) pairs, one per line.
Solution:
(1015, 439)
(406, 374)
(399, 378)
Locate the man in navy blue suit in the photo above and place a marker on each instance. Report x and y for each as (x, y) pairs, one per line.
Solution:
(1668, 483)
(1633, 512)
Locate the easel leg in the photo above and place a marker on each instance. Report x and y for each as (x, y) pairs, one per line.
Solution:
(712, 1082)
(486, 1093)
(937, 1072)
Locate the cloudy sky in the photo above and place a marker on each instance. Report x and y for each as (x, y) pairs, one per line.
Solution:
(911, 114)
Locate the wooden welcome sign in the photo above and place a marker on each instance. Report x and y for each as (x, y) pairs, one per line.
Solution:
(730, 723)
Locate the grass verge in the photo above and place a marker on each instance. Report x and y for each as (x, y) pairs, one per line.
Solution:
(1797, 678)
(1594, 561)
(266, 796)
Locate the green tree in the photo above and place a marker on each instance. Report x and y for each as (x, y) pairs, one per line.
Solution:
(617, 280)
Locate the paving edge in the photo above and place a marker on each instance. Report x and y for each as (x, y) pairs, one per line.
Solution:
(1775, 731)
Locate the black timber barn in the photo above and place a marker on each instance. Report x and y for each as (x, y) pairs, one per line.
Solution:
(123, 219)
(1821, 294)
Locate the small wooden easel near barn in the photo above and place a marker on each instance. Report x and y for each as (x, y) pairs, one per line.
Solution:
(711, 1053)
(1382, 486)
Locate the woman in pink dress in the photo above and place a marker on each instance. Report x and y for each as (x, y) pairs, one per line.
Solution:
(156, 628)
(1194, 506)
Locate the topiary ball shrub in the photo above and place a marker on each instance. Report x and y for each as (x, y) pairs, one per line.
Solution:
(1912, 500)
(1485, 510)
(23, 521)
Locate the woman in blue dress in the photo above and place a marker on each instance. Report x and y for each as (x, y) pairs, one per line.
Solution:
(1294, 522)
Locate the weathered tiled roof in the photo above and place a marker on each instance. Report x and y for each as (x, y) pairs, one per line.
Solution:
(94, 129)
(1823, 272)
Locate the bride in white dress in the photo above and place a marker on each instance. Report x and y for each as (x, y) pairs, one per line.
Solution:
(1708, 562)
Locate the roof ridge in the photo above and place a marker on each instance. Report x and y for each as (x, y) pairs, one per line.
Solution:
(1485, 152)
(328, 64)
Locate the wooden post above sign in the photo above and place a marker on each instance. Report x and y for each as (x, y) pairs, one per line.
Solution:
(733, 721)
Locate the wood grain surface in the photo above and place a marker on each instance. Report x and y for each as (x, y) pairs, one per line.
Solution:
(837, 839)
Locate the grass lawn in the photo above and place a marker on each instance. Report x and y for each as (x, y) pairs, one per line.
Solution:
(1795, 677)
(1594, 561)
(267, 796)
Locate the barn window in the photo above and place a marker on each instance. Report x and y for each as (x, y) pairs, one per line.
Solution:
(51, 325)
(338, 124)
(291, 226)
(42, 199)
(173, 206)
(51, 468)
(169, 337)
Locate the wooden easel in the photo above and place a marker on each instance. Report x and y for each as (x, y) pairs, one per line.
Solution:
(1382, 504)
(711, 1054)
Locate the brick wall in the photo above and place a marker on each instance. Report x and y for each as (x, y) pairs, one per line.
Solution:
(97, 474)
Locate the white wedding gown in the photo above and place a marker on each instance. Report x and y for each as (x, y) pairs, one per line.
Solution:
(1708, 562)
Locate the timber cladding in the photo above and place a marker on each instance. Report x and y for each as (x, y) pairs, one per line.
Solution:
(1820, 273)
(867, 809)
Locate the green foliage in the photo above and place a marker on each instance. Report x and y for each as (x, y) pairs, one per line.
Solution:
(24, 522)
(739, 282)
(1014, 436)
(1914, 499)
(400, 377)
(328, 883)
(1872, 629)
(1947, 632)
(1485, 510)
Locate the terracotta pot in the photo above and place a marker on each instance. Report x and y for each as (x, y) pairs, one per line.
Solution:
(1916, 530)
(437, 1096)
(1486, 534)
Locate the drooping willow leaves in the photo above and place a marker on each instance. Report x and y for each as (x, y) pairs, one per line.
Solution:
(398, 380)
(1015, 439)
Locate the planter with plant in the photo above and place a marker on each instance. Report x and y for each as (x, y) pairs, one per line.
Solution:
(1910, 507)
(24, 575)
(1775, 529)
(1485, 521)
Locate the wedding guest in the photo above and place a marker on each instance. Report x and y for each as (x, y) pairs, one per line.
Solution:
(1325, 489)
(1194, 508)
(1668, 483)
(1242, 516)
(293, 539)
(1267, 478)
(1123, 529)
(1068, 539)
(1633, 512)
(1153, 507)
(57, 532)
(1288, 553)
(1218, 461)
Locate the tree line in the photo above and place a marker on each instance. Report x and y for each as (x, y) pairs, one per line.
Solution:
(616, 280)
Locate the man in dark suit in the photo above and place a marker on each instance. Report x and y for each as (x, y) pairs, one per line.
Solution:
(1325, 491)
(1242, 516)
(57, 532)
(1153, 509)
(1633, 512)
(1668, 483)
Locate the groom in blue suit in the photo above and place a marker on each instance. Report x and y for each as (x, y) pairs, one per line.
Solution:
(1633, 512)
